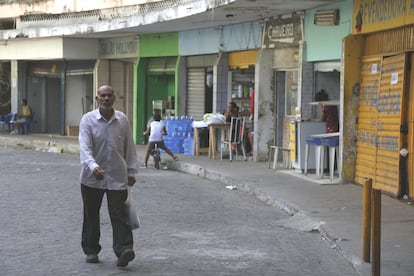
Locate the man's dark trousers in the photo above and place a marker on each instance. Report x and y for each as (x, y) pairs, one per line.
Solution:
(122, 233)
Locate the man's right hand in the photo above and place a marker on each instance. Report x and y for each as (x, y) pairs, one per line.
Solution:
(98, 172)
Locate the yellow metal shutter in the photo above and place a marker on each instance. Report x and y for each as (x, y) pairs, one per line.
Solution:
(380, 117)
(367, 119)
(390, 119)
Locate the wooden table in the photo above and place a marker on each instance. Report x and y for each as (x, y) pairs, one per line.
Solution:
(224, 129)
(197, 149)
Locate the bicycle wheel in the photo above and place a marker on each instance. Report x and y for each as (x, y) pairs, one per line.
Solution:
(157, 163)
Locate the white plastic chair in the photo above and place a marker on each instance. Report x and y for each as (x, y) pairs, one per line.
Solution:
(274, 151)
(235, 138)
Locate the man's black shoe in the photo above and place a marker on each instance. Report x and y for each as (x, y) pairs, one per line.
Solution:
(126, 256)
(92, 258)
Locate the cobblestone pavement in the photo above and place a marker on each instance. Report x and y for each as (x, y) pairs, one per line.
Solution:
(190, 226)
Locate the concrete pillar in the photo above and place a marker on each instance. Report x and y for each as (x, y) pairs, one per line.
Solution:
(14, 70)
(263, 102)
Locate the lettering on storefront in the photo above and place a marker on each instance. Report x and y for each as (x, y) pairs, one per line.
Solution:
(369, 138)
(375, 15)
(388, 143)
(375, 11)
(369, 95)
(281, 33)
(118, 48)
(386, 103)
(389, 103)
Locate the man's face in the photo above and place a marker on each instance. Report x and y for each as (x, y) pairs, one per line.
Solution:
(105, 97)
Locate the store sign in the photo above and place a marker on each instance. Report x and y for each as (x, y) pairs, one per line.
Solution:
(282, 33)
(118, 48)
(373, 15)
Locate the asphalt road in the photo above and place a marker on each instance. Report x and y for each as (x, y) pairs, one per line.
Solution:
(190, 226)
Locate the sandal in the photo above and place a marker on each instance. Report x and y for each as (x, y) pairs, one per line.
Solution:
(175, 158)
(143, 166)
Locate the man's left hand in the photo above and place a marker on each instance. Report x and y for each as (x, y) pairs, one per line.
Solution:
(131, 181)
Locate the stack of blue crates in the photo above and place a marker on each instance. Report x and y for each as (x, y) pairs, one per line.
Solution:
(189, 145)
(178, 129)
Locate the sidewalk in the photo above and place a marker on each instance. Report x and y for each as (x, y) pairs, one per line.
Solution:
(335, 210)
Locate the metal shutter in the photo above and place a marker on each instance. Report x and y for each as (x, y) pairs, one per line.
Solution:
(390, 119)
(380, 117)
(162, 65)
(367, 119)
(195, 93)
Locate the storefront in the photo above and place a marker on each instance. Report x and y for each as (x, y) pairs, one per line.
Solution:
(199, 96)
(284, 37)
(59, 92)
(216, 57)
(194, 75)
(117, 57)
(385, 115)
(157, 78)
(322, 73)
(54, 76)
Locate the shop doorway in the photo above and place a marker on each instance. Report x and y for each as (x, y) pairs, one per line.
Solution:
(45, 98)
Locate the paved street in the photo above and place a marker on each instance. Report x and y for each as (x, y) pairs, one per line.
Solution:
(190, 226)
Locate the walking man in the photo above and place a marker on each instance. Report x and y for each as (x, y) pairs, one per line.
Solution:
(109, 163)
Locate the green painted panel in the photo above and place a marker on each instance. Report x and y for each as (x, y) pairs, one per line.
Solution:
(150, 86)
(159, 87)
(159, 45)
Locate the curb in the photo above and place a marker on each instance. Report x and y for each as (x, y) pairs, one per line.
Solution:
(284, 205)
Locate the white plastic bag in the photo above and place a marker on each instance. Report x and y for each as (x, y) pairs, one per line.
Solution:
(133, 218)
(214, 118)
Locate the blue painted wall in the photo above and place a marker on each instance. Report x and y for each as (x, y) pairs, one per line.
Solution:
(325, 42)
(238, 37)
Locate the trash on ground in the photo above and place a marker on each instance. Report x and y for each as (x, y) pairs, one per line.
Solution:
(231, 187)
(300, 221)
(55, 150)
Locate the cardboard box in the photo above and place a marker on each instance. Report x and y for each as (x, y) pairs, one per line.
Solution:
(72, 131)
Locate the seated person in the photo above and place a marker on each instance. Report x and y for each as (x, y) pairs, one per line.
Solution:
(329, 113)
(233, 111)
(20, 119)
(156, 131)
